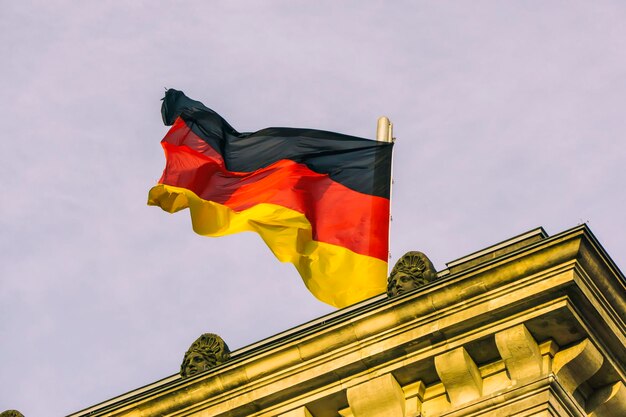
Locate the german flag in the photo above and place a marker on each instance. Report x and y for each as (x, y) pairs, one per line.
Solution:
(318, 199)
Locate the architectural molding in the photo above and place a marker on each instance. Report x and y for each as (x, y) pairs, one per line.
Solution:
(378, 397)
(535, 327)
(520, 353)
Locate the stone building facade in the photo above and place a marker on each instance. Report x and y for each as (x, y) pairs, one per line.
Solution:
(533, 326)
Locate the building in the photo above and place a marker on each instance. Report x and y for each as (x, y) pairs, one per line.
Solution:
(533, 326)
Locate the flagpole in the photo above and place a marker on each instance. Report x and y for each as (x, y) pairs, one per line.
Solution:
(384, 130)
(384, 133)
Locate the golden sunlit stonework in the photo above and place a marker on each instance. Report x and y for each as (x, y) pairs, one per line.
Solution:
(533, 326)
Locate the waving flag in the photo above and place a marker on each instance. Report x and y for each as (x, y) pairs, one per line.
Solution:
(319, 200)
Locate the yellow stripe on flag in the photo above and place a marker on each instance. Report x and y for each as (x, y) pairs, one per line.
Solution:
(334, 274)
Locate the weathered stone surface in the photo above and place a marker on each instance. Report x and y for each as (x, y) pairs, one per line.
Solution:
(378, 397)
(608, 401)
(208, 351)
(576, 364)
(561, 290)
(298, 412)
(520, 353)
(412, 270)
(459, 375)
(11, 413)
(414, 394)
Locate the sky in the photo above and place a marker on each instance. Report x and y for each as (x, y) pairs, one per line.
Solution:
(508, 116)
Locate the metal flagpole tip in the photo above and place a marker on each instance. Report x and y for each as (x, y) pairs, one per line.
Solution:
(384, 131)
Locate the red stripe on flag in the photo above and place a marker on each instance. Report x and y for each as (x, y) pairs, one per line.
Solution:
(180, 134)
(338, 215)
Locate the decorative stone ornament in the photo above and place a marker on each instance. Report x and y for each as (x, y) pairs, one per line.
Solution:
(412, 270)
(11, 413)
(530, 326)
(208, 351)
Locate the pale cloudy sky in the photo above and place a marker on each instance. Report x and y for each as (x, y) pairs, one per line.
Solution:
(509, 115)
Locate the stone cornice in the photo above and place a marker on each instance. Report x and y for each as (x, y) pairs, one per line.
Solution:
(565, 280)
